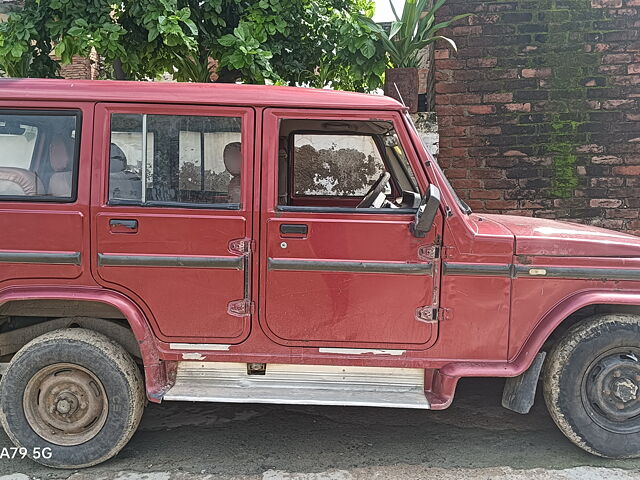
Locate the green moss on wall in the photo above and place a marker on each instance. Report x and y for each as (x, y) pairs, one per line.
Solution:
(572, 25)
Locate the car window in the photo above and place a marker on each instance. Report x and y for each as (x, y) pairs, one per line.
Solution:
(343, 164)
(179, 160)
(39, 155)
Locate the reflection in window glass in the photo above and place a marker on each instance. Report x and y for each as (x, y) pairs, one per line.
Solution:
(38, 155)
(189, 159)
(337, 165)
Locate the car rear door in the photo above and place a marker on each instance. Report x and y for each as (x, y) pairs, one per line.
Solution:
(172, 227)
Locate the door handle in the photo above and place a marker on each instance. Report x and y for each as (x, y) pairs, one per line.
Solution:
(294, 229)
(119, 225)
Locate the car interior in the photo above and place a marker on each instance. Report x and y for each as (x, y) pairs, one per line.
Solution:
(39, 155)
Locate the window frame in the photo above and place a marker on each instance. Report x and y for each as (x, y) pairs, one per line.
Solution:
(354, 116)
(245, 114)
(75, 170)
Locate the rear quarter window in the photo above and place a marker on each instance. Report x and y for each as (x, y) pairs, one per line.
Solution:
(39, 155)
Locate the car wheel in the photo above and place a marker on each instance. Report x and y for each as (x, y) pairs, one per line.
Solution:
(71, 398)
(592, 382)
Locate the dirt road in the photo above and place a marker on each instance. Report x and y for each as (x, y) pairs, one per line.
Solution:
(475, 438)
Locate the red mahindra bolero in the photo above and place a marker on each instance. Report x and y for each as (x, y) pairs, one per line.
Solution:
(230, 243)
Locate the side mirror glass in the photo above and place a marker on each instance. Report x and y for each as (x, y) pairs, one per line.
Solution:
(427, 211)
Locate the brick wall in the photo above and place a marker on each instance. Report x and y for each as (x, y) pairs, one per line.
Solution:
(538, 111)
(81, 68)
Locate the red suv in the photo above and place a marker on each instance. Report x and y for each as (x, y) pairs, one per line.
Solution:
(229, 243)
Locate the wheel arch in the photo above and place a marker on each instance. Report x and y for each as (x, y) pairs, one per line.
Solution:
(568, 312)
(156, 375)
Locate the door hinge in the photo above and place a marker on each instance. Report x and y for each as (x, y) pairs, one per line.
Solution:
(241, 246)
(240, 308)
(429, 252)
(429, 314)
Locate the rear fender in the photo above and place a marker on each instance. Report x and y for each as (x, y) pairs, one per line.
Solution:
(156, 372)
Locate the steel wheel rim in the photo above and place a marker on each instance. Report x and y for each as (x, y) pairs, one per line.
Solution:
(65, 404)
(611, 390)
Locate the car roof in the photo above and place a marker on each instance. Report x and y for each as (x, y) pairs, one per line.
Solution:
(189, 93)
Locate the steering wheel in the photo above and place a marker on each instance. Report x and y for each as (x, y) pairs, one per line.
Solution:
(376, 189)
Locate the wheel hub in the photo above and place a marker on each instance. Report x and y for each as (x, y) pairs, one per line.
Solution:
(625, 389)
(611, 387)
(65, 404)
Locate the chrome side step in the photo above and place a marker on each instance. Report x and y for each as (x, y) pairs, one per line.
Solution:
(300, 385)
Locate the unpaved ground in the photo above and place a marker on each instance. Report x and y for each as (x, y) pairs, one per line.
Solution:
(474, 439)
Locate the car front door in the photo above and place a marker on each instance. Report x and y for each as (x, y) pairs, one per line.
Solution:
(172, 215)
(334, 275)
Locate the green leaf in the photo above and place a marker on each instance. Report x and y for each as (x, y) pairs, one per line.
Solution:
(368, 49)
(75, 31)
(395, 28)
(227, 40)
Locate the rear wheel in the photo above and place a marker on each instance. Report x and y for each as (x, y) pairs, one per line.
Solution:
(592, 385)
(73, 398)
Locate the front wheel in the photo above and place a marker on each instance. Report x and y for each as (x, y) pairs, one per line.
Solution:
(72, 398)
(592, 385)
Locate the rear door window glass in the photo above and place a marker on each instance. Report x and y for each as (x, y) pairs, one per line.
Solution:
(176, 160)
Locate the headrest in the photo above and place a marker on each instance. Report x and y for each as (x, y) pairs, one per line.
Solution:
(117, 159)
(233, 158)
(60, 154)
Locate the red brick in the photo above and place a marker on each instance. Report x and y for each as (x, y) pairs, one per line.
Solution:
(442, 54)
(457, 87)
(616, 104)
(500, 204)
(450, 64)
(464, 99)
(486, 130)
(486, 194)
(537, 72)
(633, 68)
(487, 62)
(629, 170)
(591, 148)
(606, 160)
(456, 172)
(518, 107)
(486, 173)
(514, 153)
(477, 205)
(614, 58)
(483, 19)
(481, 109)
(467, 30)
(605, 202)
(606, 3)
(464, 183)
(498, 97)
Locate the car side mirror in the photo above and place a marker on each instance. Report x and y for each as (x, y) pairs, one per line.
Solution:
(427, 211)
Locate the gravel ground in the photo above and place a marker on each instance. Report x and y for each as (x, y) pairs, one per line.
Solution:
(474, 439)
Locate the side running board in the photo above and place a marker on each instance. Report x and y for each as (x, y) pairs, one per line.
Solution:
(300, 385)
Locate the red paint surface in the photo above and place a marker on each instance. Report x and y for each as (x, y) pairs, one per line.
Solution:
(491, 326)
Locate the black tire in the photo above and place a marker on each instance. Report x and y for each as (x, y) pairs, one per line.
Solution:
(592, 385)
(103, 372)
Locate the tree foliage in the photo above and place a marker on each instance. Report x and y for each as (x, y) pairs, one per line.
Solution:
(309, 42)
(413, 30)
